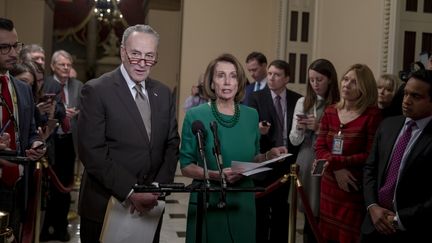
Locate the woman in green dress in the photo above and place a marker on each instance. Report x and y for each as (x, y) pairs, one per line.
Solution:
(238, 133)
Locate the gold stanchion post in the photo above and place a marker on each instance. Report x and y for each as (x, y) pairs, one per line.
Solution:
(293, 203)
(6, 233)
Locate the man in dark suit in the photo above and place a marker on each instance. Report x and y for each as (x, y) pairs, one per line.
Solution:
(21, 132)
(275, 105)
(122, 141)
(63, 155)
(400, 161)
(256, 64)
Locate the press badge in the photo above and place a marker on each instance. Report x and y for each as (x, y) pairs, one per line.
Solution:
(338, 143)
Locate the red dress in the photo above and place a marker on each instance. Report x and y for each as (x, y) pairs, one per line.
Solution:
(341, 212)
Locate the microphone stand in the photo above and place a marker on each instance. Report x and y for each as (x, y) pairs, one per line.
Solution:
(218, 156)
(202, 197)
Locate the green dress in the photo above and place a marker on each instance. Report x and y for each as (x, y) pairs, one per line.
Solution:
(235, 222)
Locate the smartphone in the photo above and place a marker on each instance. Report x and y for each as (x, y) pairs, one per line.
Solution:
(47, 97)
(301, 116)
(319, 167)
(40, 146)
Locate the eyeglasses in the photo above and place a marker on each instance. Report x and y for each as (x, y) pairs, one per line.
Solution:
(135, 58)
(6, 48)
(64, 65)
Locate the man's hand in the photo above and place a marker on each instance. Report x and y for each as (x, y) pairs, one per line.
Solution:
(143, 201)
(36, 152)
(382, 219)
(5, 141)
(71, 112)
(264, 127)
(276, 152)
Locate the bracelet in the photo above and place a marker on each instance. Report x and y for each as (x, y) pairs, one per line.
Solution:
(265, 155)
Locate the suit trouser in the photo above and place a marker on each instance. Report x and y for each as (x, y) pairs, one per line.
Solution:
(59, 202)
(272, 213)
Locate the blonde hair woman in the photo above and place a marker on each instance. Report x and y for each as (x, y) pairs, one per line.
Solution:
(345, 137)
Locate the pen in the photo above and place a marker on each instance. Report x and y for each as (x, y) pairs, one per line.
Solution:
(5, 127)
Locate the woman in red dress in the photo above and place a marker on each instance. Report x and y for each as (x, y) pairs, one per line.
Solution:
(344, 140)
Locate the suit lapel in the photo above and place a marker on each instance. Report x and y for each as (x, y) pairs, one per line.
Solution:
(152, 95)
(124, 95)
(388, 141)
(425, 139)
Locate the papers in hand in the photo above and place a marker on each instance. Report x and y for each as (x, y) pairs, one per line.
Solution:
(251, 168)
(122, 226)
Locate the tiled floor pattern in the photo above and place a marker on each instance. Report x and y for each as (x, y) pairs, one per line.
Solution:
(174, 221)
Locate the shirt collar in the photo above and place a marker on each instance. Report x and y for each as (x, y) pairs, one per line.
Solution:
(129, 81)
(421, 123)
(58, 80)
(282, 95)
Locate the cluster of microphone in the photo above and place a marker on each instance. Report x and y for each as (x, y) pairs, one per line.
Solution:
(200, 133)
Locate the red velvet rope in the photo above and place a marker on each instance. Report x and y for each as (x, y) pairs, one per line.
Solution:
(309, 215)
(275, 185)
(308, 211)
(57, 183)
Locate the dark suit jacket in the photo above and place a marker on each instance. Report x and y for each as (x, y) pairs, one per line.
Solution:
(113, 143)
(74, 87)
(249, 89)
(413, 193)
(27, 127)
(262, 101)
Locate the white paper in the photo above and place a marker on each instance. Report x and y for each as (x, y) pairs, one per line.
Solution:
(250, 168)
(122, 226)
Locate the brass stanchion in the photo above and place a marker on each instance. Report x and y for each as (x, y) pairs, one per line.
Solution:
(293, 203)
(38, 204)
(6, 233)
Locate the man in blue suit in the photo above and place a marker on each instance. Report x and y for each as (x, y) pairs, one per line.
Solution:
(256, 64)
(17, 109)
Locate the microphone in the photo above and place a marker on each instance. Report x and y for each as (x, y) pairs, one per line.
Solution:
(218, 156)
(199, 132)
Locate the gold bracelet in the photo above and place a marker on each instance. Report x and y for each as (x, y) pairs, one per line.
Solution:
(265, 155)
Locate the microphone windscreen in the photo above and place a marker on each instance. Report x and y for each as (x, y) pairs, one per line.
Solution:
(197, 126)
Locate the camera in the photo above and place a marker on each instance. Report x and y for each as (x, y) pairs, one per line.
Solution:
(415, 66)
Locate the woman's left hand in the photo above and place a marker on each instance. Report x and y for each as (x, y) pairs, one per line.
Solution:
(345, 179)
(231, 176)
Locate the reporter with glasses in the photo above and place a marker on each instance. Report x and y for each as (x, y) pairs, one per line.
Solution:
(19, 133)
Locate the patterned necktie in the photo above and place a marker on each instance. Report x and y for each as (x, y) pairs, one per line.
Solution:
(278, 106)
(386, 192)
(7, 111)
(144, 108)
(65, 125)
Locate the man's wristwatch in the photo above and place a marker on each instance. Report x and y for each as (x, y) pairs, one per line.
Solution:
(395, 223)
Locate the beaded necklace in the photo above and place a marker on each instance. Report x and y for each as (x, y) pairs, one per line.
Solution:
(228, 123)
